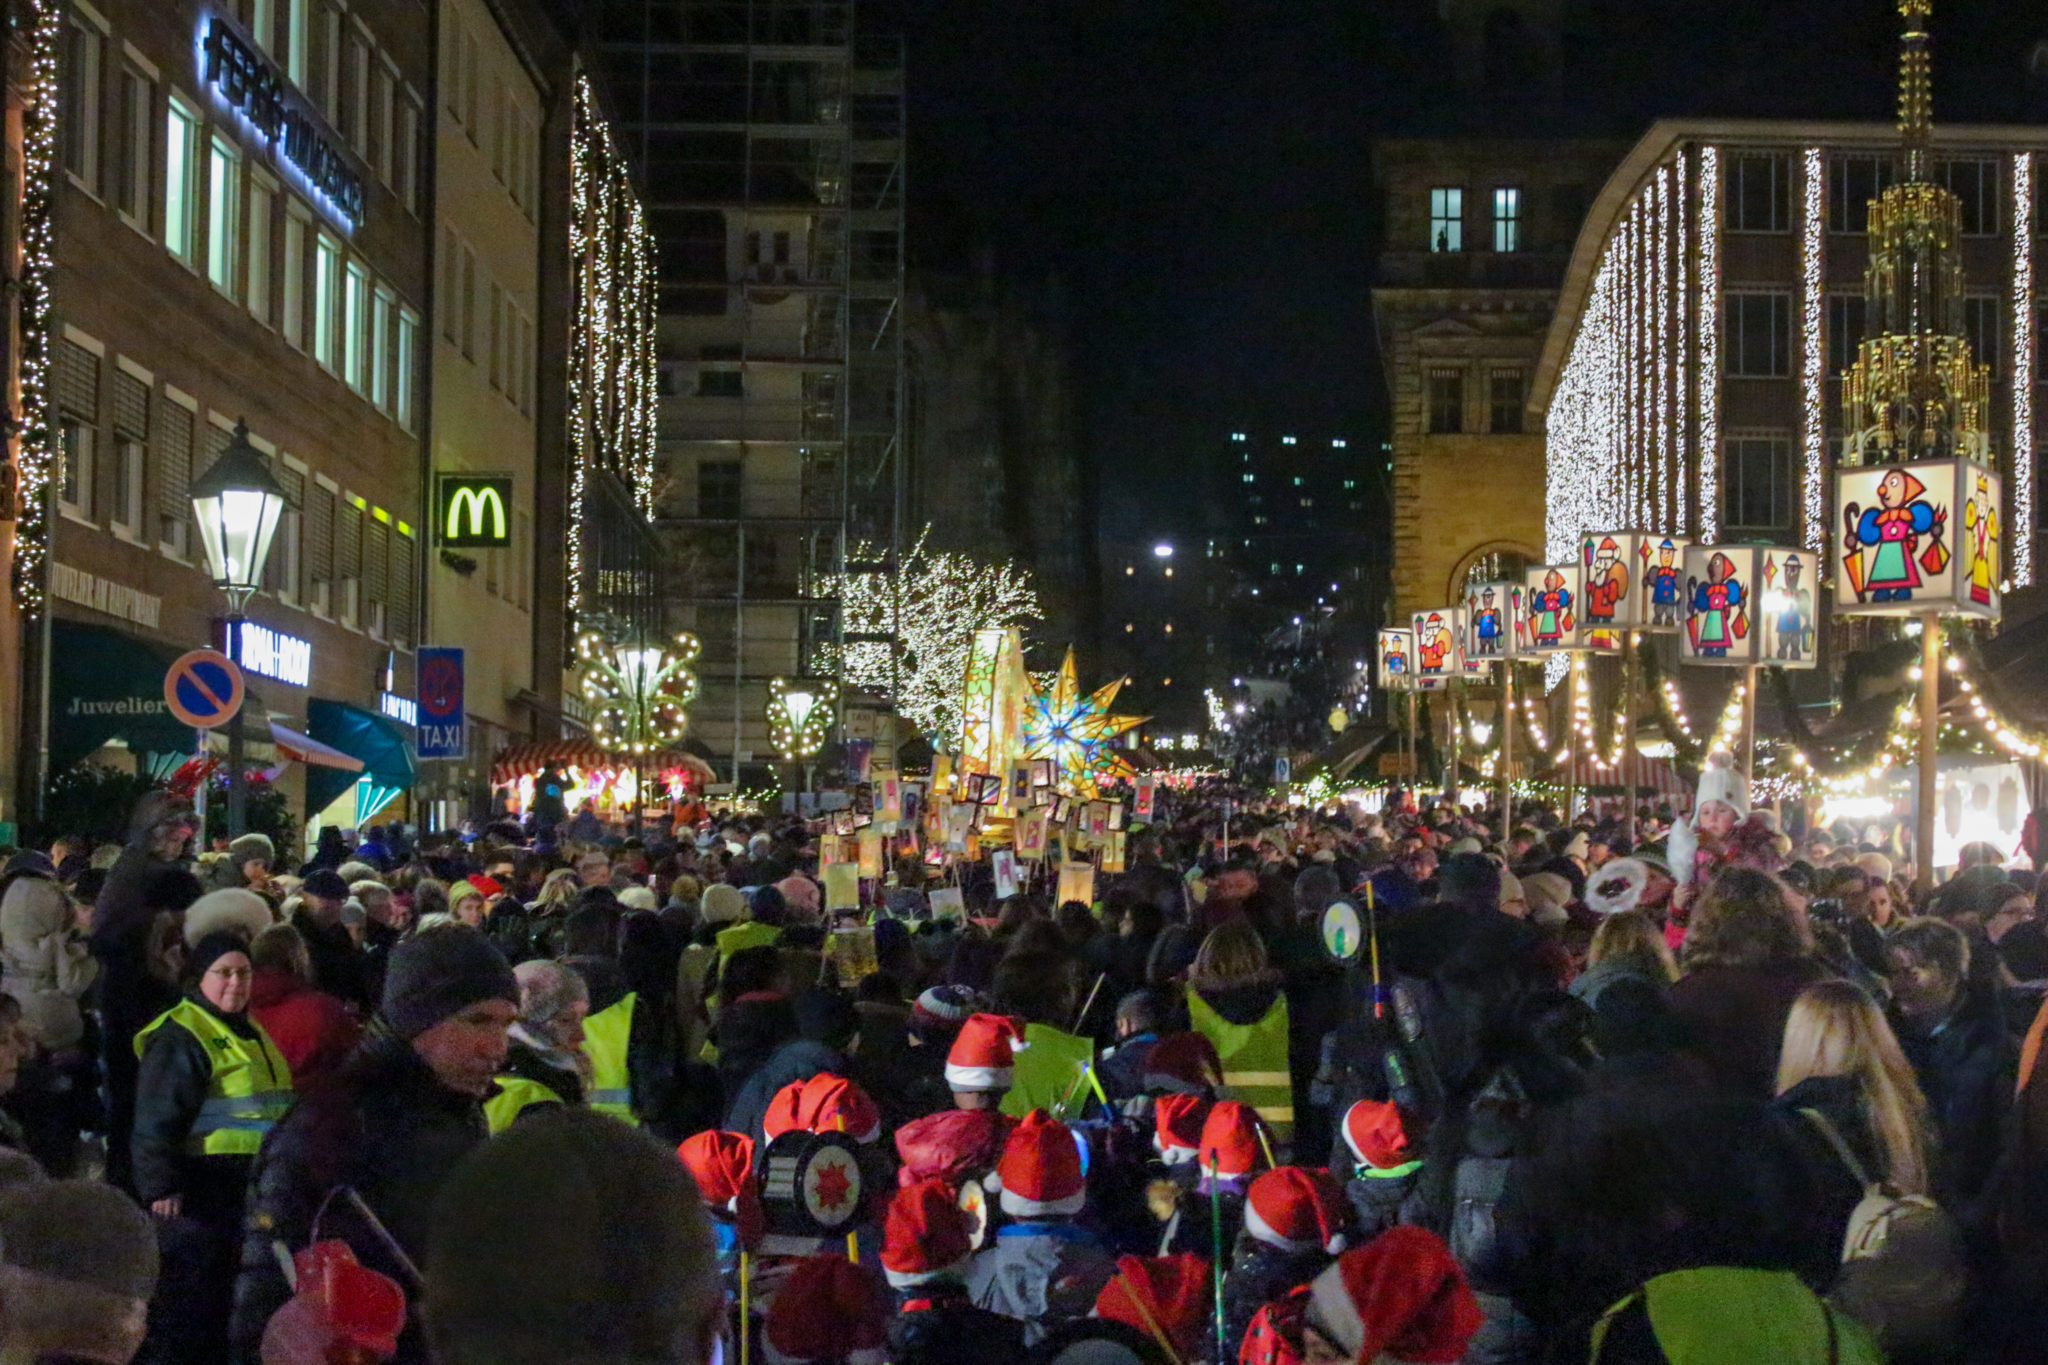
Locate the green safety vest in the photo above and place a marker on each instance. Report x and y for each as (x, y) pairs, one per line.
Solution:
(1732, 1315)
(735, 938)
(248, 1091)
(516, 1094)
(1254, 1058)
(605, 1037)
(1046, 1070)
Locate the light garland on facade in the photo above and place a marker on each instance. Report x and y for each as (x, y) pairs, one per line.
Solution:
(1813, 353)
(1684, 372)
(2021, 539)
(1675, 704)
(1665, 483)
(1709, 337)
(612, 387)
(36, 450)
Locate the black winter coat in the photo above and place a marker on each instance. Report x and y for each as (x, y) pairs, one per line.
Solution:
(382, 1126)
(339, 967)
(1966, 1067)
(797, 1060)
(175, 1076)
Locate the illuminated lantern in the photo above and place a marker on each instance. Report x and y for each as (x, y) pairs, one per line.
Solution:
(1750, 604)
(1397, 659)
(1917, 538)
(1550, 610)
(1659, 591)
(1493, 622)
(1438, 659)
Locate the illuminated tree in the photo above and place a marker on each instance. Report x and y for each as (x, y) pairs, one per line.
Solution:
(934, 604)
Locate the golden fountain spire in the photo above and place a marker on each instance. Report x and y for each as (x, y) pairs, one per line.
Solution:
(1915, 392)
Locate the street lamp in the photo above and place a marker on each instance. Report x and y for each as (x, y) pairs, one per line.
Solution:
(237, 504)
(799, 714)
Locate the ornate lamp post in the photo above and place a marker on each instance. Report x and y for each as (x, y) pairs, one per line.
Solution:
(799, 716)
(639, 695)
(237, 505)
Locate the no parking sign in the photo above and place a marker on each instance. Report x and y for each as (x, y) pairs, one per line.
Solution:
(204, 689)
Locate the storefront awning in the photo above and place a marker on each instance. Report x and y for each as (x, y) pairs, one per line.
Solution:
(104, 686)
(522, 759)
(381, 745)
(311, 752)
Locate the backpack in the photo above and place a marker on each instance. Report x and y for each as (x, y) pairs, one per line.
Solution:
(1903, 1271)
(1274, 1337)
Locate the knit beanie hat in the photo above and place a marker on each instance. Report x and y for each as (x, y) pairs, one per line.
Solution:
(1401, 1298)
(1183, 1064)
(440, 973)
(722, 904)
(79, 1232)
(1166, 1294)
(926, 1235)
(1547, 894)
(1041, 1170)
(828, 1309)
(1376, 1136)
(235, 909)
(942, 1009)
(1230, 1141)
(982, 1057)
(823, 1104)
(250, 847)
(1719, 781)
(953, 1145)
(201, 956)
(639, 898)
(722, 1164)
(1177, 1127)
(1296, 1209)
(327, 884)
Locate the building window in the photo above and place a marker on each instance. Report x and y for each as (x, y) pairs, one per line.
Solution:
(296, 31)
(262, 214)
(358, 102)
(381, 305)
(497, 362)
(223, 214)
(402, 383)
(263, 24)
(1507, 219)
(1504, 403)
(1975, 183)
(294, 318)
(181, 180)
(1759, 335)
(719, 489)
(1759, 484)
(1983, 320)
(74, 473)
(1447, 218)
(405, 155)
(1853, 181)
(174, 481)
(381, 117)
(327, 68)
(285, 556)
(78, 117)
(472, 52)
(1446, 401)
(128, 467)
(1760, 192)
(132, 165)
(348, 562)
(721, 384)
(1846, 314)
(326, 297)
(355, 322)
(468, 324)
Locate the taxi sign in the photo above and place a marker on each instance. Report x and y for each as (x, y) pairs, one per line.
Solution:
(204, 689)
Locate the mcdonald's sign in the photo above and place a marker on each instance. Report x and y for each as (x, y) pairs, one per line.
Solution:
(474, 511)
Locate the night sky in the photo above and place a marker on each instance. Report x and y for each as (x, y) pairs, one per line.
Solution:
(1196, 174)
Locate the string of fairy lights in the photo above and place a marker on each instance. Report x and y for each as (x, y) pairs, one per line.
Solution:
(36, 452)
(2023, 327)
(1813, 359)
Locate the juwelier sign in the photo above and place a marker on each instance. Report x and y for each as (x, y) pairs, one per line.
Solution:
(274, 110)
(473, 511)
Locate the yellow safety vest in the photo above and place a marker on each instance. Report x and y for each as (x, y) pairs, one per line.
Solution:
(248, 1091)
(516, 1094)
(1047, 1070)
(739, 937)
(605, 1038)
(1254, 1058)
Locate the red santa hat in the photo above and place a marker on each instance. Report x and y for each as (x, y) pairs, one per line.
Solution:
(1183, 1063)
(823, 1104)
(952, 1145)
(1375, 1134)
(1296, 1209)
(722, 1164)
(1230, 1140)
(1400, 1298)
(983, 1053)
(1041, 1169)
(828, 1309)
(926, 1234)
(1161, 1295)
(1177, 1127)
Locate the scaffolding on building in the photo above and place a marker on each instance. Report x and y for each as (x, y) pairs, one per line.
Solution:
(770, 139)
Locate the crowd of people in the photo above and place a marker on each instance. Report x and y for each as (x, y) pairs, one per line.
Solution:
(1300, 1085)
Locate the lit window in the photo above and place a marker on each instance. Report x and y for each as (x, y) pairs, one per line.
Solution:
(380, 348)
(1237, 436)
(1337, 445)
(1297, 481)
(1169, 627)
(74, 473)
(1249, 478)
(1286, 440)
(1447, 218)
(181, 173)
(1507, 219)
(402, 363)
(223, 214)
(1308, 502)
(326, 297)
(1129, 627)
(355, 319)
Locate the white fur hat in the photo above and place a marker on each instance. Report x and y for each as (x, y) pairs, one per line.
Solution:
(1720, 782)
(234, 909)
(1617, 885)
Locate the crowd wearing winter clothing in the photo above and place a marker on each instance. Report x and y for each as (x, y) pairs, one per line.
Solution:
(1409, 1085)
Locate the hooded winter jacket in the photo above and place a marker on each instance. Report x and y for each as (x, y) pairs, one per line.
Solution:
(44, 963)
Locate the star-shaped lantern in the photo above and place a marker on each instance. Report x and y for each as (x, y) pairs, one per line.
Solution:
(1075, 730)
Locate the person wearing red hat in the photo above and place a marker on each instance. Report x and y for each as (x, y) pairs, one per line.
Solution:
(828, 1312)
(1295, 1222)
(982, 1060)
(722, 1164)
(823, 1104)
(1400, 1300)
(1164, 1297)
(1385, 1166)
(955, 1145)
(927, 1243)
(1043, 1267)
(1213, 1186)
